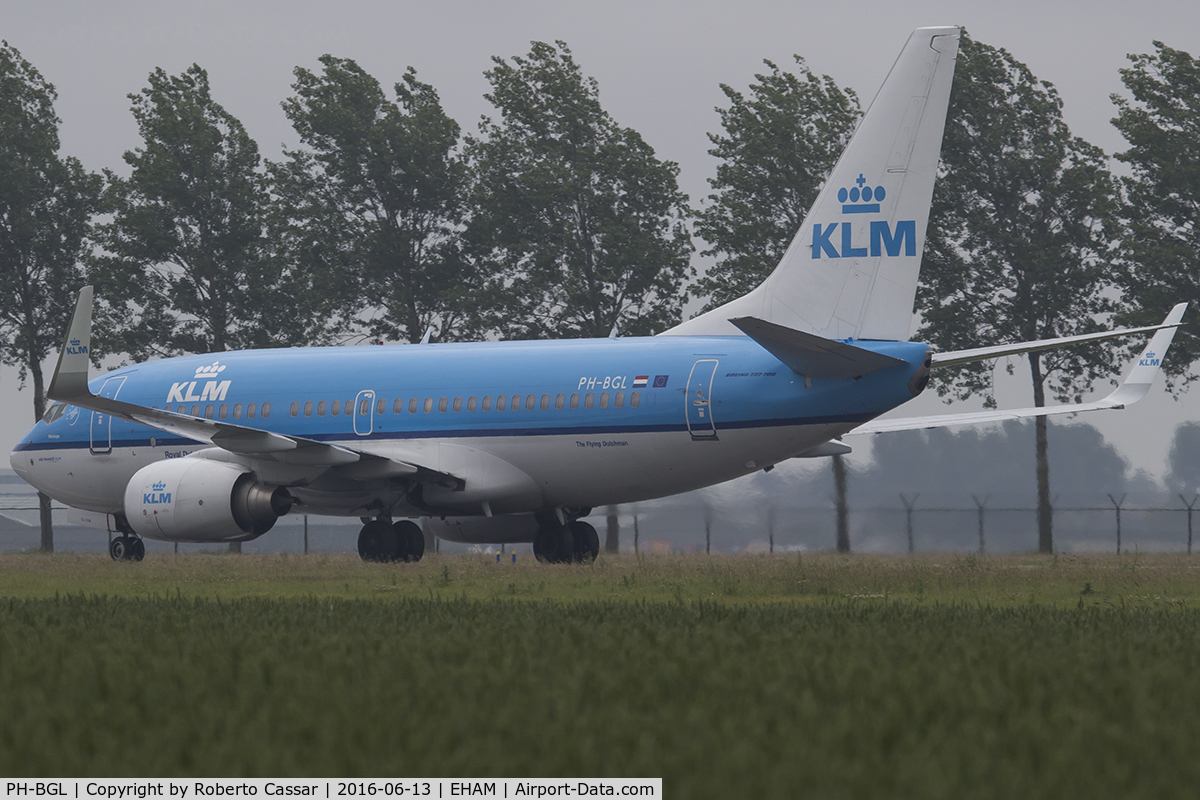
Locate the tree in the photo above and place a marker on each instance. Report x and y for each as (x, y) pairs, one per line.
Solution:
(583, 226)
(1184, 460)
(779, 146)
(1020, 238)
(46, 205)
(374, 202)
(1162, 196)
(187, 267)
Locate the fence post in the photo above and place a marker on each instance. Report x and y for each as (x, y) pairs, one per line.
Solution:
(306, 534)
(908, 512)
(1189, 510)
(980, 508)
(1117, 504)
(707, 530)
(635, 533)
(771, 529)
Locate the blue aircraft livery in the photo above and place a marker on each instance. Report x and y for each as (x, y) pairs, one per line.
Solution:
(518, 441)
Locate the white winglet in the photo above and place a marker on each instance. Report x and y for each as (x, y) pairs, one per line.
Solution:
(70, 379)
(1132, 389)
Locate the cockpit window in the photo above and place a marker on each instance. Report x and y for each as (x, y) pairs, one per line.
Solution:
(54, 412)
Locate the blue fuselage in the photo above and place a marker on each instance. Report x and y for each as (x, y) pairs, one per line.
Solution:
(591, 422)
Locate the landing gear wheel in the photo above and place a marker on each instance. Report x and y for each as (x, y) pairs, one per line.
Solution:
(377, 541)
(118, 548)
(554, 544)
(586, 542)
(411, 539)
(137, 550)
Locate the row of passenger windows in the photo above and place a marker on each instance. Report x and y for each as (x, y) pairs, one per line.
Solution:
(503, 402)
(252, 410)
(415, 405)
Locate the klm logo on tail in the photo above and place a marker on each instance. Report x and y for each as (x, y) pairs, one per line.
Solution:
(884, 239)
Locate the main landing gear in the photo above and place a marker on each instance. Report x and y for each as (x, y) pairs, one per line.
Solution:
(383, 541)
(556, 543)
(127, 548)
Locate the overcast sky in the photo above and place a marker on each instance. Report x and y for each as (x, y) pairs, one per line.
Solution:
(658, 64)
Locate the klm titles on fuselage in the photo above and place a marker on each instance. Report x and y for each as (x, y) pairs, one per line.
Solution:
(883, 237)
(214, 390)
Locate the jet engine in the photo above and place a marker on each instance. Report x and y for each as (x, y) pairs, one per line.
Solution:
(197, 500)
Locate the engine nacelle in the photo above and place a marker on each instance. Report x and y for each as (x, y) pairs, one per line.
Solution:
(196, 500)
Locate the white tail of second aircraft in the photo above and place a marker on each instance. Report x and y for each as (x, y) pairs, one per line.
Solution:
(851, 271)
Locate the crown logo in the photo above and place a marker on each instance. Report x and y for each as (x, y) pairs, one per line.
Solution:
(158, 487)
(862, 199)
(210, 370)
(74, 342)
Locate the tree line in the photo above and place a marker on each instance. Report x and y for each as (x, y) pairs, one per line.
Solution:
(554, 221)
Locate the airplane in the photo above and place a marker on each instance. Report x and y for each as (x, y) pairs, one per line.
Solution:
(516, 441)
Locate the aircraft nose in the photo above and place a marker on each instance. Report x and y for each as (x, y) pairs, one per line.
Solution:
(19, 463)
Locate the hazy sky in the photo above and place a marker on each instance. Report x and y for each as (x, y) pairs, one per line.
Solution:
(658, 65)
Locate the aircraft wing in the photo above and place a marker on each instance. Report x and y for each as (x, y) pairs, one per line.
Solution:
(69, 384)
(955, 357)
(1132, 389)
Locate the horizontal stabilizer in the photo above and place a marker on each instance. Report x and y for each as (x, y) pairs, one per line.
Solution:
(812, 356)
(1132, 389)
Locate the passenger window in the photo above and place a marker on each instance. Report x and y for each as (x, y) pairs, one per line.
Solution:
(321, 407)
(470, 404)
(515, 405)
(195, 411)
(442, 405)
(560, 401)
(413, 405)
(500, 402)
(251, 410)
(604, 400)
(619, 400)
(364, 406)
(428, 405)
(182, 409)
(530, 402)
(237, 411)
(575, 400)
(266, 410)
(223, 412)
(545, 402)
(335, 408)
(208, 411)
(635, 399)
(381, 406)
(295, 409)
(458, 404)
(398, 406)
(588, 400)
(308, 408)
(487, 403)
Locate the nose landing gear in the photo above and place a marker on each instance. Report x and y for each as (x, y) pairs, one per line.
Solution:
(127, 548)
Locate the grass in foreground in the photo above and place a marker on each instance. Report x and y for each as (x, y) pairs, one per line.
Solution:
(1156, 581)
(841, 700)
(820, 675)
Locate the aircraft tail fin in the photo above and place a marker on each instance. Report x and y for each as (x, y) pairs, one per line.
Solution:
(851, 271)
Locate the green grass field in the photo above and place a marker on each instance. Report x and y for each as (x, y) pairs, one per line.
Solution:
(740, 676)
